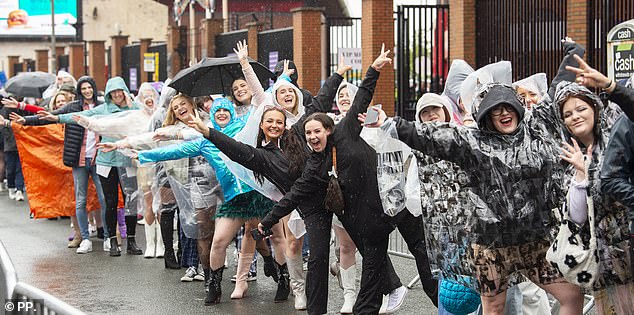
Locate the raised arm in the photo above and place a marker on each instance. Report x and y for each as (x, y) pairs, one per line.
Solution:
(570, 49)
(362, 99)
(322, 102)
(259, 96)
(172, 152)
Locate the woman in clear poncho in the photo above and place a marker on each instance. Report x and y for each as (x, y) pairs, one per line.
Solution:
(586, 123)
(516, 181)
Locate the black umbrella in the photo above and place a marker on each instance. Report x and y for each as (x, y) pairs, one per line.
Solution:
(215, 75)
(29, 84)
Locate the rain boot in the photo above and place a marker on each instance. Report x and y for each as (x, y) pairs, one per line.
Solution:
(215, 290)
(160, 247)
(283, 285)
(114, 247)
(150, 240)
(349, 281)
(207, 272)
(133, 249)
(244, 263)
(270, 268)
(297, 281)
(167, 231)
(121, 222)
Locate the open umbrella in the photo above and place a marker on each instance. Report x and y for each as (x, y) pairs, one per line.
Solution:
(215, 75)
(29, 84)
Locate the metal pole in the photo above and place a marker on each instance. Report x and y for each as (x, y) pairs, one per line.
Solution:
(53, 53)
(225, 15)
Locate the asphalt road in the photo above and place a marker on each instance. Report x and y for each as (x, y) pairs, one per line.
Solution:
(98, 284)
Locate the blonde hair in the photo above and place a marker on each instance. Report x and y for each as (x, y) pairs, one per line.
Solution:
(67, 96)
(170, 118)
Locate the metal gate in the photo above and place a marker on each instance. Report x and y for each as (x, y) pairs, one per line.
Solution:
(422, 53)
(530, 41)
(344, 38)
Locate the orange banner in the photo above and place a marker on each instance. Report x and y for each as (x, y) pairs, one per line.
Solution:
(48, 182)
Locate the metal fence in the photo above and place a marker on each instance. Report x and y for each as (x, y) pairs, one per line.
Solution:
(39, 302)
(422, 53)
(603, 16)
(398, 247)
(343, 36)
(525, 32)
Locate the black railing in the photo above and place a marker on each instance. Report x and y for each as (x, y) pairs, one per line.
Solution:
(344, 36)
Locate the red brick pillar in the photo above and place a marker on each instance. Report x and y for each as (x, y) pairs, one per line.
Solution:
(76, 60)
(377, 28)
(97, 62)
(307, 46)
(577, 21)
(209, 28)
(253, 28)
(174, 56)
(462, 21)
(41, 60)
(143, 48)
(118, 41)
(12, 61)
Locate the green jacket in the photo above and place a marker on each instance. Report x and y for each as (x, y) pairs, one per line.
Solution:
(113, 158)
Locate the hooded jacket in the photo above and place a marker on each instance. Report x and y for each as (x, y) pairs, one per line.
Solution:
(357, 174)
(433, 100)
(73, 133)
(610, 218)
(458, 72)
(279, 70)
(352, 91)
(514, 180)
(299, 101)
(113, 158)
(231, 186)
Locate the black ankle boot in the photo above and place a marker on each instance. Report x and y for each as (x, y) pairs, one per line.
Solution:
(170, 259)
(100, 233)
(283, 284)
(114, 247)
(207, 272)
(133, 249)
(215, 291)
(270, 268)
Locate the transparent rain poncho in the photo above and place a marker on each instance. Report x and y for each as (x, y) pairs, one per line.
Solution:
(458, 72)
(499, 72)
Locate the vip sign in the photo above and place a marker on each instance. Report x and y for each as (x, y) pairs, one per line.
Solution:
(621, 51)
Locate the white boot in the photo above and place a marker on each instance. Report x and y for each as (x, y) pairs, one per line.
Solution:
(12, 193)
(296, 272)
(150, 240)
(160, 247)
(349, 283)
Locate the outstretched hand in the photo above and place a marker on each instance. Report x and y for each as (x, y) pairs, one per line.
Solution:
(382, 117)
(10, 102)
(242, 50)
(17, 118)
(44, 115)
(287, 71)
(588, 76)
(107, 146)
(197, 124)
(573, 155)
(382, 59)
(343, 67)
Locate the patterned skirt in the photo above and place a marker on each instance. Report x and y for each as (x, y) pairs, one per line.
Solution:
(249, 205)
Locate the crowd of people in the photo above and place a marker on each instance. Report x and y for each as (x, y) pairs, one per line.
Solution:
(511, 183)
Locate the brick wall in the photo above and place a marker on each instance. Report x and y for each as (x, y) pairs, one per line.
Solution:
(377, 27)
(577, 20)
(307, 47)
(462, 35)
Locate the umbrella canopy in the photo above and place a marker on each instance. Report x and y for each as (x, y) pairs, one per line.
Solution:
(30, 84)
(215, 75)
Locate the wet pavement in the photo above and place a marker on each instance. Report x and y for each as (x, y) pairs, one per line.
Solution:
(98, 284)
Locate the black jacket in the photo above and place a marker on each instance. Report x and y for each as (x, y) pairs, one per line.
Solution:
(73, 133)
(617, 173)
(356, 168)
(7, 133)
(269, 160)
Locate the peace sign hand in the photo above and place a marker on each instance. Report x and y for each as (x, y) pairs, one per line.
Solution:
(382, 59)
(589, 77)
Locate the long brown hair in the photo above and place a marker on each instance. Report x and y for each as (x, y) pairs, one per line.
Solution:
(170, 118)
(290, 144)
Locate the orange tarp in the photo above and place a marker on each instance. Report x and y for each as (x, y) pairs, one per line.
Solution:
(48, 182)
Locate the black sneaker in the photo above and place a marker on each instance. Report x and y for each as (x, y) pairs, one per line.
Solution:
(252, 276)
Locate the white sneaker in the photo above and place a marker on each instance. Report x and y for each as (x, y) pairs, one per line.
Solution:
(190, 273)
(12, 193)
(84, 247)
(395, 300)
(106, 245)
(19, 196)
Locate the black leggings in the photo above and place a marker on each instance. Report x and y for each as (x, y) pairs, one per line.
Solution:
(318, 226)
(110, 189)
